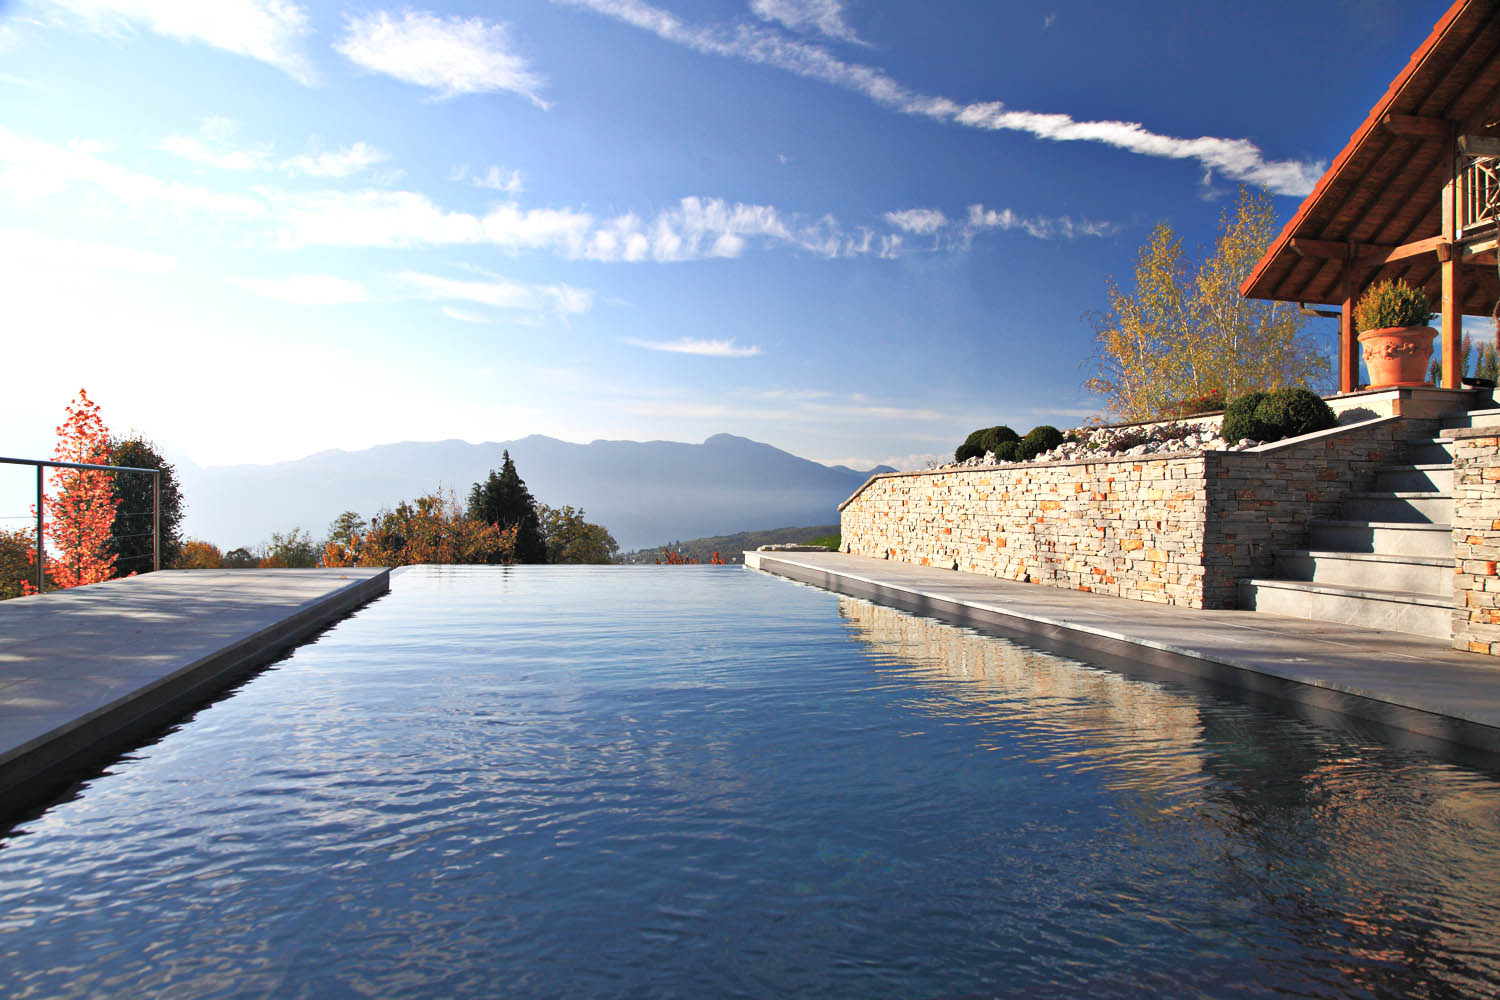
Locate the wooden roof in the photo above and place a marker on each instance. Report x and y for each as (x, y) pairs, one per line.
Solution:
(1383, 192)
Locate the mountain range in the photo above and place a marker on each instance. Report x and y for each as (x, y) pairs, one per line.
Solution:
(644, 492)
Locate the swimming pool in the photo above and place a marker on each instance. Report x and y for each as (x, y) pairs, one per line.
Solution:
(691, 781)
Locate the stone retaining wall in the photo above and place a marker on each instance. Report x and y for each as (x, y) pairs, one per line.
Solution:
(1476, 540)
(1176, 528)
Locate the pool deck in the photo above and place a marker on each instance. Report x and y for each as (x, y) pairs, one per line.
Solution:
(87, 672)
(1405, 684)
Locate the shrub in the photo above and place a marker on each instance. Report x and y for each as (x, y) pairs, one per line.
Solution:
(983, 440)
(1008, 451)
(830, 542)
(1209, 402)
(1040, 439)
(1240, 421)
(1391, 303)
(1271, 416)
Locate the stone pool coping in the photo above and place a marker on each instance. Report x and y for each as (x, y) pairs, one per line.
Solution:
(88, 672)
(1404, 684)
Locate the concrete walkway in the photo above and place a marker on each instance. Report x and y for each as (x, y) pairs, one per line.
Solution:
(1402, 682)
(85, 673)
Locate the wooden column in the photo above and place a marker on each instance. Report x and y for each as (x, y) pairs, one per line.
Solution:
(1453, 323)
(1452, 308)
(1348, 348)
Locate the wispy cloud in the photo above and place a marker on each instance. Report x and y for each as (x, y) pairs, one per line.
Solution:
(922, 221)
(1237, 159)
(501, 294)
(495, 179)
(212, 146)
(823, 16)
(271, 31)
(24, 249)
(30, 170)
(308, 289)
(344, 163)
(1041, 227)
(466, 316)
(690, 345)
(449, 56)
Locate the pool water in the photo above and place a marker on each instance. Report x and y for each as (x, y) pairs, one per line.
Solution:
(692, 781)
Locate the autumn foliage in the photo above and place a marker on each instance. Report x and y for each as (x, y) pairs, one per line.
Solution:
(429, 529)
(79, 512)
(680, 558)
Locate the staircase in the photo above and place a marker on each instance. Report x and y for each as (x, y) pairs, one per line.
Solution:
(1388, 562)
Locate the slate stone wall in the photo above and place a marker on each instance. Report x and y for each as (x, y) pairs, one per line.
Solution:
(1176, 529)
(1476, 540)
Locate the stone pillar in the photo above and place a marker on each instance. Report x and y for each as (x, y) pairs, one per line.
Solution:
(1476, 540)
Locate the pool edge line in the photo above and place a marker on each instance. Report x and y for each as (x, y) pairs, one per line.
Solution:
(1394, 715)
(37, 771)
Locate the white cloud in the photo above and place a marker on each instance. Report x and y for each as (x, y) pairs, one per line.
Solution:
(466, 316)
(31, 170)
(823, 16)
(269, 30)
(501, 294)
(343, 163)
(922, 221)
(689, 345)
(508, 181)
(308, 289)
(27, 250)
(1237, 159)
(1043, 228)
(450, 56)
(211, 146)
(371, 218)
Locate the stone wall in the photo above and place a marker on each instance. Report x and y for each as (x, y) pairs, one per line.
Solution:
(1476, 540)
(1174, 528)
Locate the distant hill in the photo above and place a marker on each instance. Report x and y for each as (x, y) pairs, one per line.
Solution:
(642, 491)
(731, 548)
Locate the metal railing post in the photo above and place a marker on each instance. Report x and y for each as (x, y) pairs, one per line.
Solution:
(41, 570)
(155, 521)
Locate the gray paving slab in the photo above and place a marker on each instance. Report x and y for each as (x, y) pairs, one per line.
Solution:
(84, 672)
(1409, 682)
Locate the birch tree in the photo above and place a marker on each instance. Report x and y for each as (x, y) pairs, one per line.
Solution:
(1185, 331)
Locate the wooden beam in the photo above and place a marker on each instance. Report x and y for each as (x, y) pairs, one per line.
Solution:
(1479, 145)
(1415, 125)
(1328, 249)
(1367, 254)
(1404, 252)
(1348, 348)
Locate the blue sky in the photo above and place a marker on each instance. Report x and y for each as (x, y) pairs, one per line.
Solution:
(256, 229)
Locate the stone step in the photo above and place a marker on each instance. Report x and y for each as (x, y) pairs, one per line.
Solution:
(1426, 451)
(1434, 477)
(1385, 537)
(1420, 574)
(1426, 508)
(1474, 418)
(1394, 610)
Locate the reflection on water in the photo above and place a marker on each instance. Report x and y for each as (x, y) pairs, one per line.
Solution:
(558, 781)
(1376, 858)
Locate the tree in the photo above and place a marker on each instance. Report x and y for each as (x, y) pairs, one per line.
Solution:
(130, 537)
(430, 529)
(80, 514)
(504, 501)
(571, 539)
(198, 554)
(346, 527)
(293, 550)
(1186, 332)
(17, 562)
(240, 558)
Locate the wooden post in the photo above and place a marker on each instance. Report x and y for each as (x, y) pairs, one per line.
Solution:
(1452, 307)
(1453, 323)
(1348, 348)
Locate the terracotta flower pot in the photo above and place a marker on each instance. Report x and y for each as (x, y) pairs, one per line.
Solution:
(1397, 355)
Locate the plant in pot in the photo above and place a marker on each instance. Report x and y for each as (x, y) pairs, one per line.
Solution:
(1396, 341)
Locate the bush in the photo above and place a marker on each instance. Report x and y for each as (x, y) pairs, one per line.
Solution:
(1240, 421)
(1008, 451)
(1039, 439)
(983, 440)
(1271, 416)
(1391, 303)
(829, 542)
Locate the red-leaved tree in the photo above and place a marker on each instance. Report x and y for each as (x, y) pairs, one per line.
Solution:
(80, 508)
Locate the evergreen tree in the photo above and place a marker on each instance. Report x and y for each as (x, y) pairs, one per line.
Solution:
(504, 501)
(130, 536)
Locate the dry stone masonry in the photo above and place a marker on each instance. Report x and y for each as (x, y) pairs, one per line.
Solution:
(1476, 540)
(1176, 528)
